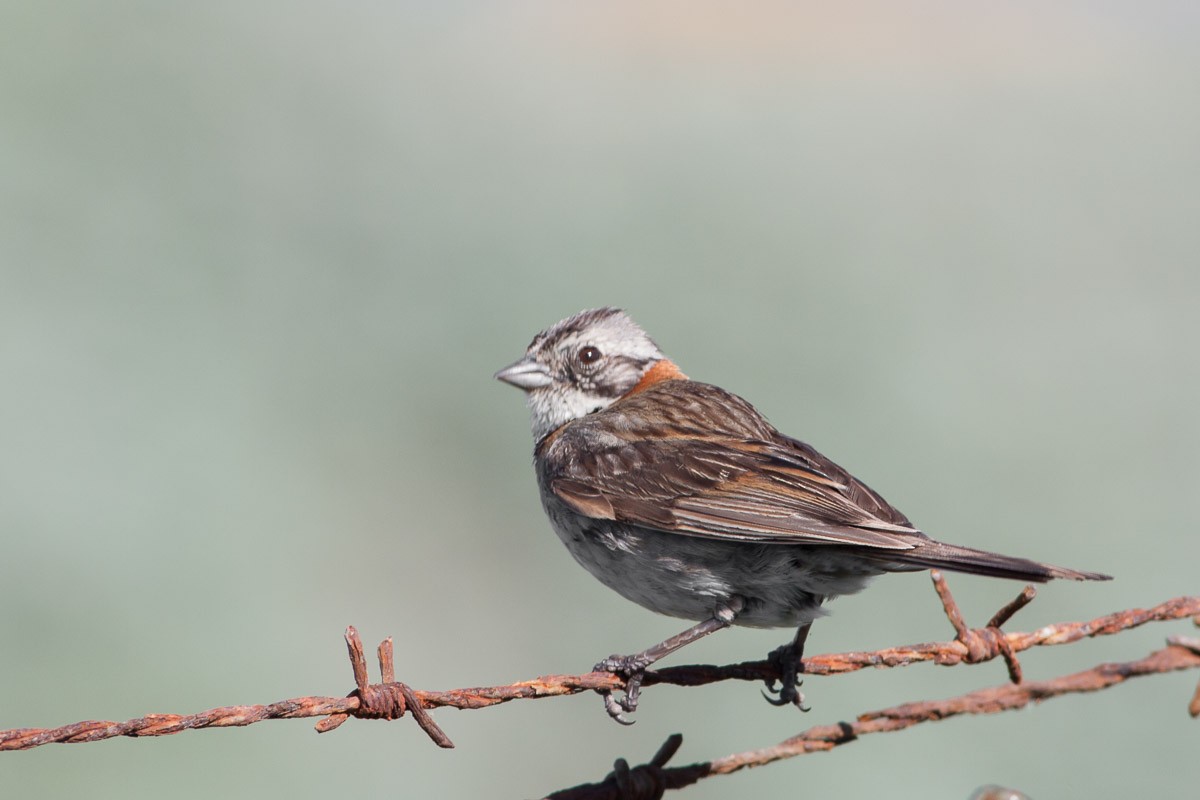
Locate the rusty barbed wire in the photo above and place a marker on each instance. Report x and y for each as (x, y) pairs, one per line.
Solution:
(650, 781)
(390, 699)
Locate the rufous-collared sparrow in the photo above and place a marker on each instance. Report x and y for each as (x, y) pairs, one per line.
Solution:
(684, 499)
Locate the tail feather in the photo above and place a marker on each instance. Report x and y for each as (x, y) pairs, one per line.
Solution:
(938, 555)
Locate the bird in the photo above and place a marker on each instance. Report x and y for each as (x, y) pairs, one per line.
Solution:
(682, 497)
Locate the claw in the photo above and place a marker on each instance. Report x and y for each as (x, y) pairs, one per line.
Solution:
(633, 667)
(787, 661)
(621, 665)
(614, 708)
(634, 670)
(786, 695)
(787, 698)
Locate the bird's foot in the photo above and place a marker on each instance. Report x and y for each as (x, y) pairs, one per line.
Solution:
(786, 660)
(633, 670)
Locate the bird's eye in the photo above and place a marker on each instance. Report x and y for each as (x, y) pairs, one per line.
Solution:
(588, 355)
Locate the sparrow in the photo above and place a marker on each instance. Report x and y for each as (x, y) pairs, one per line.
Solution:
(681, 497)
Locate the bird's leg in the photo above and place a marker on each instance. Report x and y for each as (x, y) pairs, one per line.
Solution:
(787, 659)
(633, 667)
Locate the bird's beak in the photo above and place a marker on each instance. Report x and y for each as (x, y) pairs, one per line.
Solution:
(525, 374)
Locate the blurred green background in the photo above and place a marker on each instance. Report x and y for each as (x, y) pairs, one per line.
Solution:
(258, 263)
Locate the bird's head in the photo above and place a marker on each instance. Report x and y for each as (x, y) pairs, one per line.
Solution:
(583, 364)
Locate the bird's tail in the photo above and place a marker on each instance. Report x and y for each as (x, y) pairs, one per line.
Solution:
(938, 555)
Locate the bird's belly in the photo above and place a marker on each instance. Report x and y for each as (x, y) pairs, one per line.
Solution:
(689, 577)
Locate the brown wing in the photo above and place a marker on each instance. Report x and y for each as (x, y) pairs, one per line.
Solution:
(693, 459)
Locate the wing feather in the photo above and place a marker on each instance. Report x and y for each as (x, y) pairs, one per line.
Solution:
(759, 486)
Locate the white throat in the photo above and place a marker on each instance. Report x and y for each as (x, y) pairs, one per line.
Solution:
(550, 410)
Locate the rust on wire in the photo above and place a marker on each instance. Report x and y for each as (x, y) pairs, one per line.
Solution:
(657, 778)
(391, 699)
(387, 700)
(984, 644)
(1193, 644)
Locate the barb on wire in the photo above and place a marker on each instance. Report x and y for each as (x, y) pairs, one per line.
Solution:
(650, 781)
(985, 643)
(387, 700)
(391, 699)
